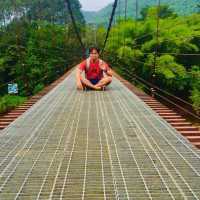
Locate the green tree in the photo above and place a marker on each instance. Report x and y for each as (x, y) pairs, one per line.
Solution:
(132, 45)
(164, 11)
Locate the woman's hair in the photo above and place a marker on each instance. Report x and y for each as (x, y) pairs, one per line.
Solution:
(94, 48)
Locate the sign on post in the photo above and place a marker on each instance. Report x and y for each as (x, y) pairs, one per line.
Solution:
(12, 88)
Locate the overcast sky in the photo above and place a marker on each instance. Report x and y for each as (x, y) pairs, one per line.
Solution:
(93, 5)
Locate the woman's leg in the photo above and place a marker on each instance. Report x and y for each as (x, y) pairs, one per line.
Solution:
(104, 81)
(87, 83)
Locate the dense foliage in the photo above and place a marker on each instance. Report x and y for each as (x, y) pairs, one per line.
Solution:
(8, 102)
(37, 43)
(132, 45)
(181, 7)
(54, 11)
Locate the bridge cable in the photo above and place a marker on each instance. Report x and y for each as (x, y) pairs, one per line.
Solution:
(125, 10)
(136, 26)
(110, 25)
(124, 23)
(118, 22)
(75, 25)
(157, 47)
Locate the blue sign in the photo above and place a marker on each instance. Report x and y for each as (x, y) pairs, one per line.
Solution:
(12, 88)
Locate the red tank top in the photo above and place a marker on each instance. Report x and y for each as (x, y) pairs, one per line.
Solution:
(94, 71)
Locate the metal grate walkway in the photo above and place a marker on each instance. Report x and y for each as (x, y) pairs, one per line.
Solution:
(95, 145)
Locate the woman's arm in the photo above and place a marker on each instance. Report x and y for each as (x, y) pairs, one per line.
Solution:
(104, 66)
(109, 72)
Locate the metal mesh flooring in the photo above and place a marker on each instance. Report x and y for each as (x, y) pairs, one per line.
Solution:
(95, 145)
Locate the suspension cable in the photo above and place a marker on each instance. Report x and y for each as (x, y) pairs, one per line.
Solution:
(136, 9)
(157, 43)
(125, 10)
(74, 24)
(119, 18)
(136, 24)
(110, 24)
(125, 19)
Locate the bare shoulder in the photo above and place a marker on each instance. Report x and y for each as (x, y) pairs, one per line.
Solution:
(103, 62)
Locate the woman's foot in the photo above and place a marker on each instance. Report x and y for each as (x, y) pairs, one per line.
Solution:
(97, 88)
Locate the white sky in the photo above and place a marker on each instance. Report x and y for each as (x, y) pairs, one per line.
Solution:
(93, 5)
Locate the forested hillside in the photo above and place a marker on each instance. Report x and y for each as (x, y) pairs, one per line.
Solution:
(181, 7)
(54, 11)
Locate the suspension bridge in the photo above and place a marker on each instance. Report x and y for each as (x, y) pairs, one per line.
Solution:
(115, 144)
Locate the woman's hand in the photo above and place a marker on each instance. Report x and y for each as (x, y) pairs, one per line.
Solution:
(103, 67)
(79, 86)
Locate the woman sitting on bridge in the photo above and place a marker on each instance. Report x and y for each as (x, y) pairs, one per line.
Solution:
(97, 72)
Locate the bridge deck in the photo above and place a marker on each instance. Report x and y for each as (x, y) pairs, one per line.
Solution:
(95, 145)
